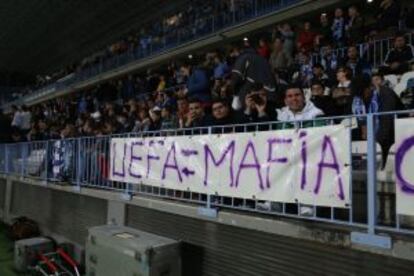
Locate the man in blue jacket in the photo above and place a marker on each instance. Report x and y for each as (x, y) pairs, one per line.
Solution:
(197, 82)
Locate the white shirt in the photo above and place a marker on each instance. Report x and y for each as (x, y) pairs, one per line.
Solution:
(26, 118)
(17, 119)
(309, 112)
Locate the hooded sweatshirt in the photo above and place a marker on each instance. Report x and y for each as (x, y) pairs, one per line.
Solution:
(309, 112)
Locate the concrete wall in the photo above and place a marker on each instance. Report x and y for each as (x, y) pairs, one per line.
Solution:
(231, 244)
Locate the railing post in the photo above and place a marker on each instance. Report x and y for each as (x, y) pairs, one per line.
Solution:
(371, 174)
(23, 155)
(370, 238)
(47, 157)
(78, 164)
(127, 193)
(208, 211)
(6, 159)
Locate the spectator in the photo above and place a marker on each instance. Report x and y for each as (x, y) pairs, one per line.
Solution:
(279, 60)
(325, 33)
(257, 107)
(318, 75)
(263, 50)
(342, 92)
(329, 61)
(305, 64)
(155, 119)
(358, 66)
(169, 120)
(182, 110)
(322, 101)
(338, 28)
(223, 114)
(306, 37)
(143, 122)
(197, 116)
(288, 36)
(297, 109)
(355, 26)
(17, 118)
(26, 119)
(250, 68)
(161, 84)
(388, 14)
(197, 83)
(398, 59)
(380, 98)
(221, 68)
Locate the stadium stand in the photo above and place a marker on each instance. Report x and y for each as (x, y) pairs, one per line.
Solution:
(348, 68)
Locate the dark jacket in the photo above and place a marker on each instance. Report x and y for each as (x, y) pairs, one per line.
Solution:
(251, 68)
(356, 30)
(360, 68)
(405, 55)
(326, 104)
(198, 85)
(234, 118)
(388, 101)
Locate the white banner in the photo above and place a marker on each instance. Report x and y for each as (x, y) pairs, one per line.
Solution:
(310, 166)
(404, 160)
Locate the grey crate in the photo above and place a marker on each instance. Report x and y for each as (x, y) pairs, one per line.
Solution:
(116, 250)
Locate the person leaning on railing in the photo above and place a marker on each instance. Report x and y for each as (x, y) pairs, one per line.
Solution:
(381, 98)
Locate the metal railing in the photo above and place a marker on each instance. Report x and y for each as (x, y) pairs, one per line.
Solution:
(204, 27)
(84, 162)
(373, 52)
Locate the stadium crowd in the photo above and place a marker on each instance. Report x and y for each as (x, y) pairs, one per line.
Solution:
(192, 18)
(297, 76)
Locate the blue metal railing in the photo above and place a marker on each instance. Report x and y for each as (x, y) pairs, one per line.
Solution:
(212, 24)
(84, 162)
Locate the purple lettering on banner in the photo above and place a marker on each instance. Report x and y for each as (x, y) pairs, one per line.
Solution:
(271, 158)
(134, 158)
(150, 157)
(256, 165)
(188, 152)
(327, 143)
(208, 152)
(304, 158)
(402, 151)
(187, 172)
(114, 157)
(173, 166)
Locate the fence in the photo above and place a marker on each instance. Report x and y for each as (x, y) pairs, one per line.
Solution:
(373, 52)
(84, 162)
